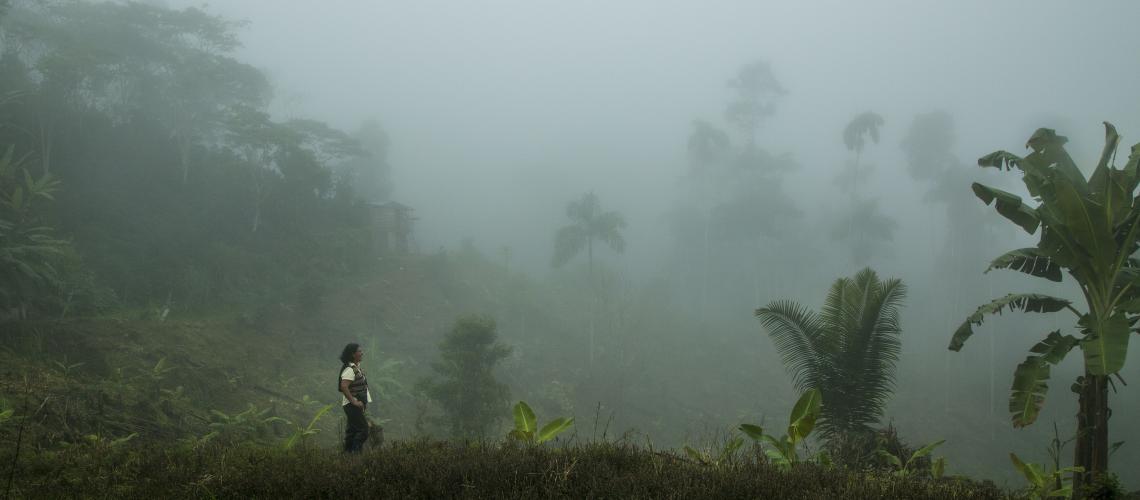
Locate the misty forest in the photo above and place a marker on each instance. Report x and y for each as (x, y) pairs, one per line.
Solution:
(586, 249)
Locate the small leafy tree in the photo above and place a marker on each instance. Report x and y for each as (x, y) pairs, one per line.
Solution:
(847, 351)
(1090, 230)
(465, 386)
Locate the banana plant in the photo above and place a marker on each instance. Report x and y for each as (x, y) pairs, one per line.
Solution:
(160, 369)
(245, 423)
(1089, 230)
(725, 453)
(311, 429)
(27, 247)
(526, 426)
(1045, 485)
(65, 367)
(904, 469)
(782, 451)
(102, 441)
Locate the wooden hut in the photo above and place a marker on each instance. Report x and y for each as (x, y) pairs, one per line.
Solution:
(392, 223)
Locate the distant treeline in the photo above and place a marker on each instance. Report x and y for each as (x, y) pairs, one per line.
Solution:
(143, 167)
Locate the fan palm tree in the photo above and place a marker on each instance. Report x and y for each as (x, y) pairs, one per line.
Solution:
(848, 350)
(589, 223)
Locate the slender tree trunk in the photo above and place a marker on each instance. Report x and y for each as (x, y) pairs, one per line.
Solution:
(184, 158)
(1092, 431)
(256, 216)
(590, 258)
(594, 293)
(705, 267)
(593, 312)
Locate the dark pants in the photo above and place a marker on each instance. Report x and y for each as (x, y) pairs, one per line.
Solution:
(356, 432)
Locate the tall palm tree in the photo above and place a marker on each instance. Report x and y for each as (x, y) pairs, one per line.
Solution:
(848, 350)
(867, 124)
(863, 223)
(589, 223)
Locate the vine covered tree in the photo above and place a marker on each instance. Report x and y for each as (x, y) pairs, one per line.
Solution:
(1090, 230)
(847, 350)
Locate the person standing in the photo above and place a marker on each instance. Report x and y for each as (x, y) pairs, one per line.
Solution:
(355, 397)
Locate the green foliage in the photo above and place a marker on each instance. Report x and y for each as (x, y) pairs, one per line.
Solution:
(27, 244)
(101, 442)
(160, 370)
(1045, 485)
(465, 386)
(385, 378)
(937, 468)
(723, 456)
(303, 432)
(248, 425)
(169, 159)
(65, 367)
(847, 351)
(526, 426)
(782, 450)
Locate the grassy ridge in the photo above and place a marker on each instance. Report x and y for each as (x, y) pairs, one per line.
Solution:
(440, 469)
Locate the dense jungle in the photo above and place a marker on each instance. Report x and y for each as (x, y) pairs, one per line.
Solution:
(580, 249)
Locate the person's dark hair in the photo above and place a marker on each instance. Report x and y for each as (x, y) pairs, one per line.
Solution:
(346, 354)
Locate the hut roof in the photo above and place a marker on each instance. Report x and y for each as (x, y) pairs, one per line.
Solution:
(390, 205)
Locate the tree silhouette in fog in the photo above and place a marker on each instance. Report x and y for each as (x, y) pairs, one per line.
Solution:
(588, 223)
(862, 225)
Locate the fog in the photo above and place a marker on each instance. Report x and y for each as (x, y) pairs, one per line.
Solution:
(498, 114)
(520, 106)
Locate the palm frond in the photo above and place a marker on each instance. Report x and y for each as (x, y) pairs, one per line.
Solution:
(584, 210)
(866, 123)
(796, 332)
(607, 228)
(567, 243)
